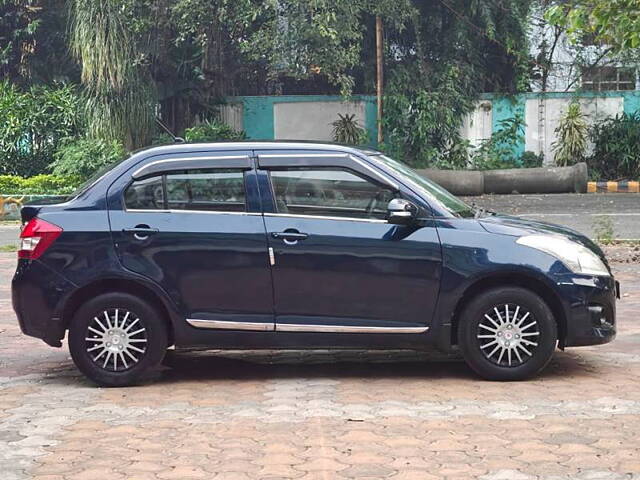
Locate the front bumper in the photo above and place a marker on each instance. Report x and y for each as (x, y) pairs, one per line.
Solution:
(590, 309)
(36, 293)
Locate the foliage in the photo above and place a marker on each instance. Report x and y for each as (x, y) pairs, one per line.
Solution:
(119, 94)
(612, 22)
(531, 160)
(439, 63)
(19, 21)
(571, 133)
(162, 138)
(177, 59)
(212, 131)
(32, 47)
(423, 127)
(37, 185)
(347, 130)
(616, 151)
(81, 158)
(500, 150)
(33, 122)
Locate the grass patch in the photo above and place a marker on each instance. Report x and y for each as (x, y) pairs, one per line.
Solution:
(8, 248)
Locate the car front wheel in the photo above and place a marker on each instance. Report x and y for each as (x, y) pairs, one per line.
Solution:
(507, 333)
(115, 338)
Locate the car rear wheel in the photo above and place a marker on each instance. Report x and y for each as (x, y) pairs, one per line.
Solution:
(507, 333)
(115, 338)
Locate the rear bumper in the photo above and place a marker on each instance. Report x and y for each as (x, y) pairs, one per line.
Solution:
(36, 293)
(591, 310)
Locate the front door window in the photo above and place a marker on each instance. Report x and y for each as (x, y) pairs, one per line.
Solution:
(329, 192)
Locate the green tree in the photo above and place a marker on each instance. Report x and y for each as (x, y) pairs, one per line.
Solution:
(120, 95)
(612, 22)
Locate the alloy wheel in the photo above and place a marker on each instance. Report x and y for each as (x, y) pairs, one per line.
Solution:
(116, 340)
(508, 335)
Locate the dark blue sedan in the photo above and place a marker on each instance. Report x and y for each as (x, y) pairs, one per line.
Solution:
(298, 245)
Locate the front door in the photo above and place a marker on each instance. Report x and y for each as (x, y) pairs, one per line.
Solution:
(338, 265)
(190, 225)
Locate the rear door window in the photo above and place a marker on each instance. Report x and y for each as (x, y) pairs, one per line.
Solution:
(215, 190)
(145, 194)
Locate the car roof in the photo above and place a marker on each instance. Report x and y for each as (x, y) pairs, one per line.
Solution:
(254, 145)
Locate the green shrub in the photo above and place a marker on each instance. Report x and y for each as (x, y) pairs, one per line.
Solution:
(616, 150)
(82, 157)
(500, 150)
(38, 185)
(531, 160)
(212, 131)
(572, 133)
(162, 138)
(32, 125)
(347, 130)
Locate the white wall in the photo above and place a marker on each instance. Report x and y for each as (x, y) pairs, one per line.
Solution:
(231, 114)
(478, 124)
(312, 120)
(542, 117)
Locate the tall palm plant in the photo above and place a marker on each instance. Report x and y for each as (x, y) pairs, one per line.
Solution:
(571, 133)
(119, 93)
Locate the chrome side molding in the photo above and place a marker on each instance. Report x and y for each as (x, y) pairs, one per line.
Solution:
(230, 325)
(298, 327)
(295, 327)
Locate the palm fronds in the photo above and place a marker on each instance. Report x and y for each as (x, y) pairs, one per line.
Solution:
(119, 95)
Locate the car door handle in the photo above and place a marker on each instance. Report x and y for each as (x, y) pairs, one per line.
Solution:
(141, 232)
(290, 236)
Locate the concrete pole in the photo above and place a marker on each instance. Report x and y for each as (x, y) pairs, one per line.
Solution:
(379, 74)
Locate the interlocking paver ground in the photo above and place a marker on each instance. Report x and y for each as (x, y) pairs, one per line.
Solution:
(322, 415)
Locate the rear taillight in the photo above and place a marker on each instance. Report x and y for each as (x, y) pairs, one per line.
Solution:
(36, 236)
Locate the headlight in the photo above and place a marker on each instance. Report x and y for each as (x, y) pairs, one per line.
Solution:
(576, 257)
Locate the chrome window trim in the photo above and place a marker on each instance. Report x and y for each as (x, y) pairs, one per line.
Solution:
(230, 325)
(296, 327)
(142, 210)
(325, 217)
(304, 155)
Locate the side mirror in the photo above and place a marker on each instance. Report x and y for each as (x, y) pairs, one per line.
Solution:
(401, 212)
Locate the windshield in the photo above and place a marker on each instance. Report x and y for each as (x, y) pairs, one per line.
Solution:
(434, 192)
(87, 184)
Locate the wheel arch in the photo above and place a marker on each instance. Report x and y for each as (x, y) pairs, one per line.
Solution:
(517, 279)
(120, 285)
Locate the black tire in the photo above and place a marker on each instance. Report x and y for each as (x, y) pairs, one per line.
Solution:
(480, 317)
(152, 340)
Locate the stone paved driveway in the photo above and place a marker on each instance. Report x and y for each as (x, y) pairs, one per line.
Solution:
(323, 416)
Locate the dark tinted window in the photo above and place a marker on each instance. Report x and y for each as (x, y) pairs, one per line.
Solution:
(329, 192)
(212, 190)
(145, 194)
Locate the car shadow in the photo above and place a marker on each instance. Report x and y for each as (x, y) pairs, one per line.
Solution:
(190, 366)
(185, 367)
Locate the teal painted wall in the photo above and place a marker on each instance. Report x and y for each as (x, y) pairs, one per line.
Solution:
(631, 102)
(258, 112)
(257, 117)
(505, 108)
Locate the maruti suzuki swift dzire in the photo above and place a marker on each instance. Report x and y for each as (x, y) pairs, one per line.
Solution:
(298, 245)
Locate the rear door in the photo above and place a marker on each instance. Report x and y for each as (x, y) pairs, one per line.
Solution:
(338, 265)
(194, 226)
